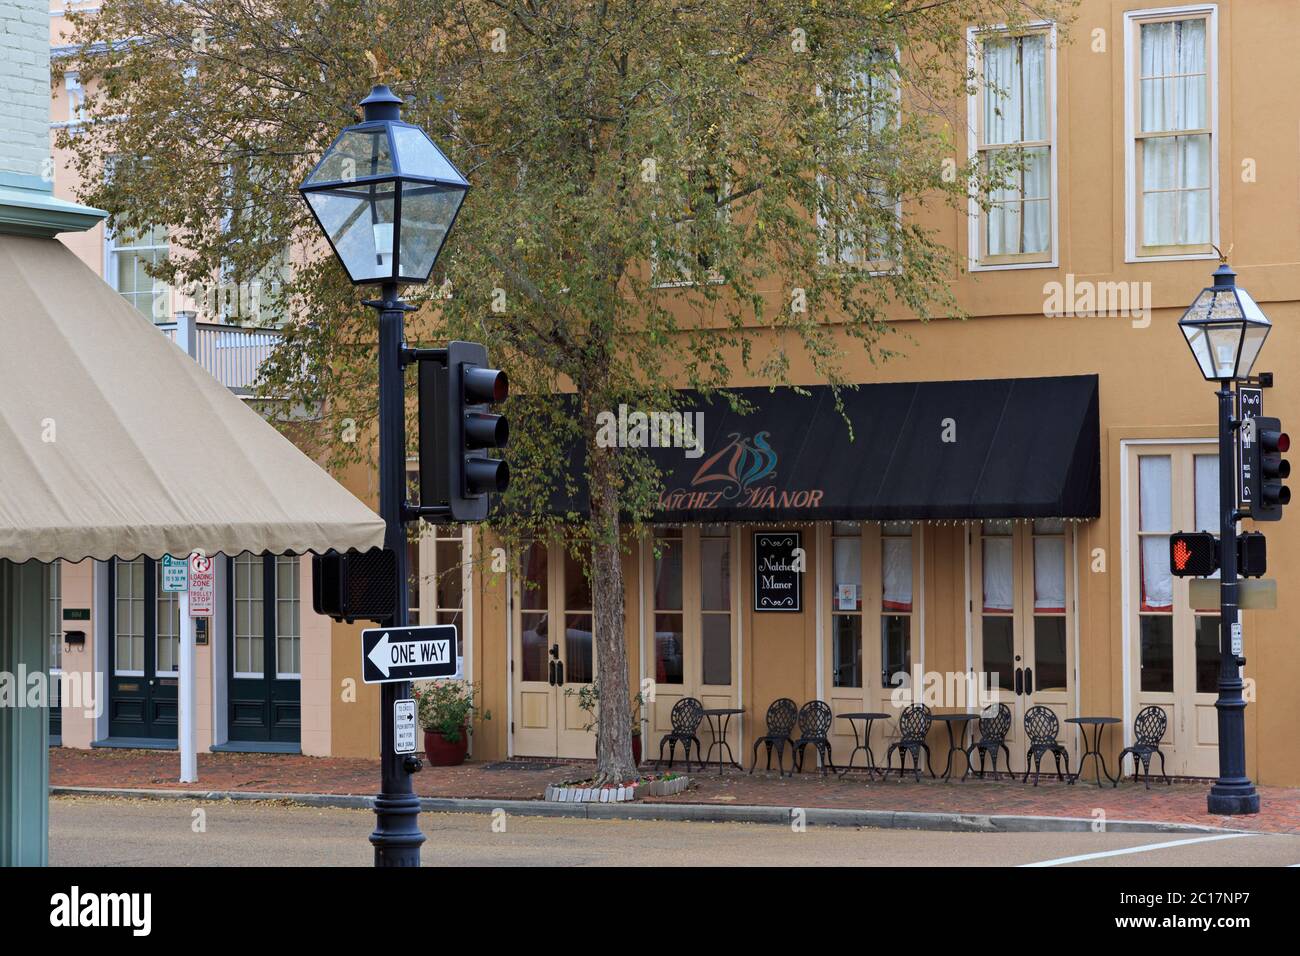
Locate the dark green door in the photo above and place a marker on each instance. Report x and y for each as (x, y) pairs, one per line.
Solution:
(264, 640)
(54, 588)
(143, 646)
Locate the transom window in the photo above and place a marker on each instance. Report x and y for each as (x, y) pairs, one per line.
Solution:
(1014, 139)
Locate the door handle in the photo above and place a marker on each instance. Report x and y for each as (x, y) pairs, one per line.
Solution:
(1029, 680)
(1020, 681)
(559, 673)
(555, 652)
(550, 673)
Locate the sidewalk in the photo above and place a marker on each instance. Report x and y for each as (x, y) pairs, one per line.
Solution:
(1182, 803)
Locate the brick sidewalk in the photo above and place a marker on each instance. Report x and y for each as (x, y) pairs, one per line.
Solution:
(523, 780)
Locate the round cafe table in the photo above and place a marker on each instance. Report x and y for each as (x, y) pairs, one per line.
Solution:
(863, 741)
(719, 719)
(1098, 724)
(955, 745)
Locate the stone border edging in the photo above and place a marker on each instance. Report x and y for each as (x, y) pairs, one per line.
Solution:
(689, 812)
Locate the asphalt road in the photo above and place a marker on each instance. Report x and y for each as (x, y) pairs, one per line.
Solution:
(113, 832)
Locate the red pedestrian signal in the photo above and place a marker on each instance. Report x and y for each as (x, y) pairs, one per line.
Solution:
(1193, 554)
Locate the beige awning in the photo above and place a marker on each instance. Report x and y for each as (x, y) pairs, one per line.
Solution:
(115, 442)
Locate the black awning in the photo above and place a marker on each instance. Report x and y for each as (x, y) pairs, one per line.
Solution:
(992, 448)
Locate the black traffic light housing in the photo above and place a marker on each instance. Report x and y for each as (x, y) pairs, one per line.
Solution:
(1252, 554)
(355, 585)
(1193, 554)
(457, 426)
(1268, 470)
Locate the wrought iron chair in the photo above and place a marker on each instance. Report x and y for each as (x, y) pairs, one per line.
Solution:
(781, 717)
(814, 724)
(1041, 727)
(913, 725)
(1148, 730)
(995, 724)
(686, 716)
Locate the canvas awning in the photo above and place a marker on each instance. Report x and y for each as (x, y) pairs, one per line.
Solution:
(114, 442)
(963, 450)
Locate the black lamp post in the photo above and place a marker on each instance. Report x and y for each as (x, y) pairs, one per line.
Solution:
(386, 197)
(1225, 330)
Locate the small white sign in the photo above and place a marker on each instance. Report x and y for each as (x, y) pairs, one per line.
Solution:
(175, 574)
(403, 726)
(846, 597)
(202, 586)
(1236, 639)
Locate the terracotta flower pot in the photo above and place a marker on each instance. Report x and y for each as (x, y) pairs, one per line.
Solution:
(443, 752)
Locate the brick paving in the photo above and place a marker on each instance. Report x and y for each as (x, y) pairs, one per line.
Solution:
(1183, 802)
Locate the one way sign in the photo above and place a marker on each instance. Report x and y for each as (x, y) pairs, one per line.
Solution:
(391, 654)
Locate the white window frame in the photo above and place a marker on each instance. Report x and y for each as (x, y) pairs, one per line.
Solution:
(235, 606)
(294, 562)
(114, 598)
(1132, 18)
(975, 218)
(76, 96)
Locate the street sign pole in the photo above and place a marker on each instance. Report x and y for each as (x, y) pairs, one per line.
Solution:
(397, 836)
(1233, 792)
(189, 758)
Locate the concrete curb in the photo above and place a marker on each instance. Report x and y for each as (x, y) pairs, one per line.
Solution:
(686, 812)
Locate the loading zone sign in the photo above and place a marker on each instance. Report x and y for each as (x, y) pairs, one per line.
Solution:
(390, 654)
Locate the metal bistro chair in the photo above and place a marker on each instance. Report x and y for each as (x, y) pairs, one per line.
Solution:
(913, 725)
(1148, 729)
(995, 724)
(1041, 727)
(781, 716)
(686, 716)
(815, 719)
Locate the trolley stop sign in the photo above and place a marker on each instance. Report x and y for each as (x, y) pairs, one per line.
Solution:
(391, 654)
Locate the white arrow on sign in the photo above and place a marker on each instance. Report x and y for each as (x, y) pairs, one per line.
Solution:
(420, 652)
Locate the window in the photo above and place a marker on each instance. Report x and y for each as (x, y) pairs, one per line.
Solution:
(76, 97)
(669, 637)
(167, 639)
(248, 616)
(131, 255)
(846, 605)
(998, 603)
(1206, 492)
(250, 293)
(895, 601)
(439, 567)
(288, 632)
(1156, 609)
(534, 617)
(865, 112)
(128, 606)
(1171, 122)
(1050, 659)
(579, 662)
(715, 604)
(1014, 132)
(54, 585)
(693, 233)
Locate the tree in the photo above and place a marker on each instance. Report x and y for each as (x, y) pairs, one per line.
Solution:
(654, 183)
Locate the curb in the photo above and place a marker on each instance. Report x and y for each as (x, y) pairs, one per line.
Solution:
(685, 812)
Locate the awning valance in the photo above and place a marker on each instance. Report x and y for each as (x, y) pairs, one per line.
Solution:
(115, 442)
(993, 448)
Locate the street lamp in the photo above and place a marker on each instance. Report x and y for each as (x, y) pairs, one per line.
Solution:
(1225, 330)
(386, 197)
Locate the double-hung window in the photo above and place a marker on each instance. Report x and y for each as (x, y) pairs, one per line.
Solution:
(1171, 127)
(1014, 133)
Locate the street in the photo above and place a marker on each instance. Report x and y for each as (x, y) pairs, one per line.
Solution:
(117, 832)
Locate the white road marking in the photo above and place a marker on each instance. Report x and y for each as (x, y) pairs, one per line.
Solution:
(1145, 848)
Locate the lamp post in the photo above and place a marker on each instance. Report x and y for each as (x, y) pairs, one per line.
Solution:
(1225, 330)
(386, 197)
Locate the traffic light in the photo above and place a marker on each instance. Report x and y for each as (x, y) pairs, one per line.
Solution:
(1268, 469)
(457, 427)
(1193, 554)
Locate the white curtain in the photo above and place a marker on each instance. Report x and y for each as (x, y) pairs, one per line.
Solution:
(1015, 111)
(896, 573)
(1171, 100)
(998, 588)
(1049, 574)
(1155, 514)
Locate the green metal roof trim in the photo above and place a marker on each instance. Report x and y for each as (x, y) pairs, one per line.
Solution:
(28, 207)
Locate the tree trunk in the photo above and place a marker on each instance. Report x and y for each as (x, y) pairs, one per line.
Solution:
(614, 754)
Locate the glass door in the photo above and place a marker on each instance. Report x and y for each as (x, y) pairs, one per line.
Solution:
(144, 641)
(265, 634)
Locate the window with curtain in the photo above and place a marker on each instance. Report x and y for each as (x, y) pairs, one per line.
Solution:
(846, 605)
(668, 607)
(1014, 136)
(1049, 604)
(715, 604)
(1173, 151)
(865, 109)
(1206, 478)
(534, 616)
(895, 600)
(997, 560)
(1155, 612)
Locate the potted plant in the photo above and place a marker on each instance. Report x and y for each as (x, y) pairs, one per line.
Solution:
(589, 700)
(446, 709)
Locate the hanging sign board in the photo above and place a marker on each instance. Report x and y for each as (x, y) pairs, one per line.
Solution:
(778, 571)
(175, 573)
(1250, 401)
(202, 586)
